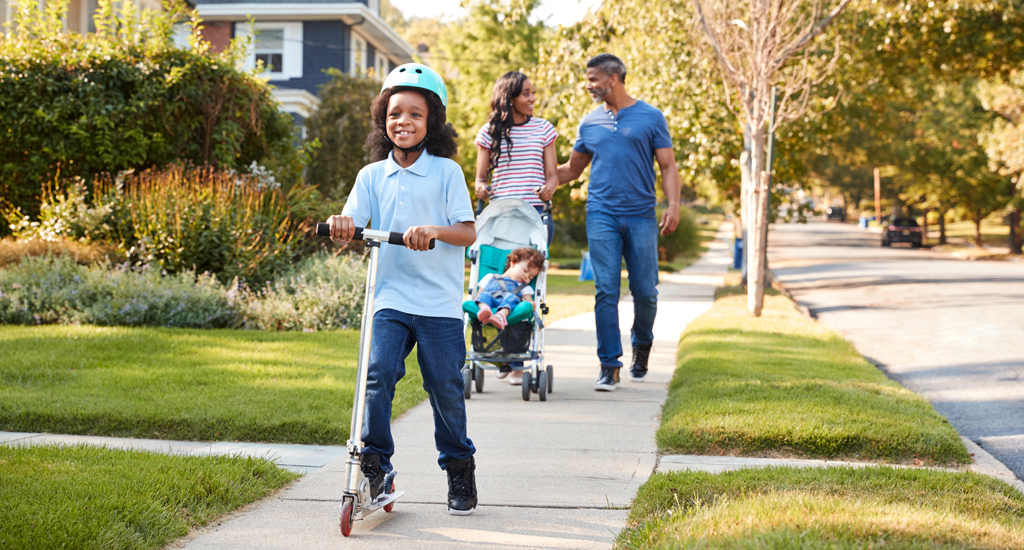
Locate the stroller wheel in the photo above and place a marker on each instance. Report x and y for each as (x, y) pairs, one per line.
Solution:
(542, 386)
(478, 375)
(467, 382)
(526, 385)
(551, 378)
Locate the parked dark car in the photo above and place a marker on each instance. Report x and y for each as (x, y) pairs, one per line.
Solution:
(902, 230)
(835, 213)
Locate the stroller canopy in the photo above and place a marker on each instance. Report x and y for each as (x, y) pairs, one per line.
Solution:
(509, 224)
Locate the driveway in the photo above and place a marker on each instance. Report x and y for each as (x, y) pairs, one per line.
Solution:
(950, 330)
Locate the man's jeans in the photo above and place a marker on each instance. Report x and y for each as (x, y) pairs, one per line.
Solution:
(612, 238)
(441, 351)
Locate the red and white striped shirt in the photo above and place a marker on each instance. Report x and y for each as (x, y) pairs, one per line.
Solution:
(519, 177)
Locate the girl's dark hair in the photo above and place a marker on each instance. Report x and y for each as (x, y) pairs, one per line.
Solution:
(533, 256)
(507, 88)
(440, 139)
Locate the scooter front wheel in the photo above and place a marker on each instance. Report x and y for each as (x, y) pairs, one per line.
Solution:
(346, 517)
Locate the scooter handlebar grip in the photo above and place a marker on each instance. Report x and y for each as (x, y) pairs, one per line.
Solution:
(394, 237)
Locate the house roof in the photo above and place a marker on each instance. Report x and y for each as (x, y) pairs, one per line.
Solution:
(353, 13)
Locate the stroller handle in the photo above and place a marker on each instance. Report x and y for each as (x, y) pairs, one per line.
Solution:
(391, 237)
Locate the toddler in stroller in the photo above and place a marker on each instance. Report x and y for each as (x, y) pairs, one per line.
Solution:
(508, 228)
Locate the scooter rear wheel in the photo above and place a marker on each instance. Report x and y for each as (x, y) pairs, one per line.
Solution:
(346, 518)
(391, 506)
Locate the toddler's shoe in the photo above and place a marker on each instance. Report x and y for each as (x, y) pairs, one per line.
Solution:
(498, 320)
(484, 314)
(503, 371)
(516, 379)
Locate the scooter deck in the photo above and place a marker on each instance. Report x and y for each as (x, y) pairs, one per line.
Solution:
(382, 501)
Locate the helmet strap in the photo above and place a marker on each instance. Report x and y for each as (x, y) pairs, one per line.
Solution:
(406, 150)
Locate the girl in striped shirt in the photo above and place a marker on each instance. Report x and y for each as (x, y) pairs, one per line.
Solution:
(515, 150)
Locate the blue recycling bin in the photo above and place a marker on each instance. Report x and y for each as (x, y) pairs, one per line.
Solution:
(863, 222)
(586, 268)
(737, 253)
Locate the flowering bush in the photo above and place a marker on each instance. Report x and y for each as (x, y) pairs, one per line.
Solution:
(322, 292)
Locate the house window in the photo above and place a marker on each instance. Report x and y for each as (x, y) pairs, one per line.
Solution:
(380, 66)
(277, 45)
(269, 47)
(359, 54)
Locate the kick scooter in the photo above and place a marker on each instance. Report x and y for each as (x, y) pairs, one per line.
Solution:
(356, 503)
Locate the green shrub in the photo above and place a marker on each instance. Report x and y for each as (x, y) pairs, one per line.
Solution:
(340, 126)
(684, 240)
(323, 292)
(125, 97)
(56, 290)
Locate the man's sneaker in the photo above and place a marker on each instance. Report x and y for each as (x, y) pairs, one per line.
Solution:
(608, 380)
(370, 465)
(462, 487)
(638, 371)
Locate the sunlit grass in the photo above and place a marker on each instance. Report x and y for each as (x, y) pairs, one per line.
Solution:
(783, 385)
(91, 497)
(184, 384)
(833, 508)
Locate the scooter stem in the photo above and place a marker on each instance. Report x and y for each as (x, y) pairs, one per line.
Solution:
(355, 439)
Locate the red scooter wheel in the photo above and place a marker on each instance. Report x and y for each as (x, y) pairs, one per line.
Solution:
(390, 506)
(346, 518)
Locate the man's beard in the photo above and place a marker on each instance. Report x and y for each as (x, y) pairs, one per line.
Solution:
(598, 94)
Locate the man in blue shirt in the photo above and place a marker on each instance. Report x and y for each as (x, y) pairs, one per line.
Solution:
(622, 139)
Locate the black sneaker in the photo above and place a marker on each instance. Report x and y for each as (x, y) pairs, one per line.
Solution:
(461, 487)
(638, 371)
(608, 380)
(370, 465)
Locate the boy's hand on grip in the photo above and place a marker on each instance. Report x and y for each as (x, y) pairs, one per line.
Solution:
(419, 237)
(343, 228)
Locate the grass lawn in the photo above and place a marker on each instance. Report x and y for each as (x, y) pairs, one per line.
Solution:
(90, 497)
(195, 385)
(832, 508)
(993, 233)
(782, 385)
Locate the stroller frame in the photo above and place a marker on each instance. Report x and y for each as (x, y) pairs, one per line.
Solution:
(481, 357)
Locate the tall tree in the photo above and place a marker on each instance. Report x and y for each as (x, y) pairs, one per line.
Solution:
(1004, 141)
(753, 44)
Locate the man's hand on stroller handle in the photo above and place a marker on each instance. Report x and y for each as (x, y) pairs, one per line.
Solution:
(342, 229)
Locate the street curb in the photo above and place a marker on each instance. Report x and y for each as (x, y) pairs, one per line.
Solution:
(986, 464)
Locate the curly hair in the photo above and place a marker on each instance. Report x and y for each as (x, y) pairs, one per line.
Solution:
(440, 133)
(534, 257)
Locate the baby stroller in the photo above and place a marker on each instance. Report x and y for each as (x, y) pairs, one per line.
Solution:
(502, 227)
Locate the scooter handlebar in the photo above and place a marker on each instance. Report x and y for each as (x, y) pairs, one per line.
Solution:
(391, 237)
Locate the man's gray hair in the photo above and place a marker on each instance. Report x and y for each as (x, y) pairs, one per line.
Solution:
(609, 65)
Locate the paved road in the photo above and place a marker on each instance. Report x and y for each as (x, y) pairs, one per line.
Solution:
(950, 330)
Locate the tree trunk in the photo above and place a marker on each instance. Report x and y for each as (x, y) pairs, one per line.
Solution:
(924, 230)
(977, 230)
(745, 205)
(942, 225)
(758, 232)
(1016, 238)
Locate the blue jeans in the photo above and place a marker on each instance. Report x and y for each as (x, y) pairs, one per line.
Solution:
(441, 351)
(509, 301)
(611, 239)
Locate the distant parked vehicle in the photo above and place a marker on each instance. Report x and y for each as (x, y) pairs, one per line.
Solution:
(835, 213)
(902, 230)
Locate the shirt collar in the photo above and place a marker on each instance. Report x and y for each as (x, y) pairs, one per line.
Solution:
(421, 167)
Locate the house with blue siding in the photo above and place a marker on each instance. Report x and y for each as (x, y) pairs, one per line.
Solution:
(296, 40)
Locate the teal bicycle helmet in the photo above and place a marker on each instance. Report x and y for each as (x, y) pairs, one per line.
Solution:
(417, 75)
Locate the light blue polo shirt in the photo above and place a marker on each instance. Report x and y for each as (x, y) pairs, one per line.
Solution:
(430, 192)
